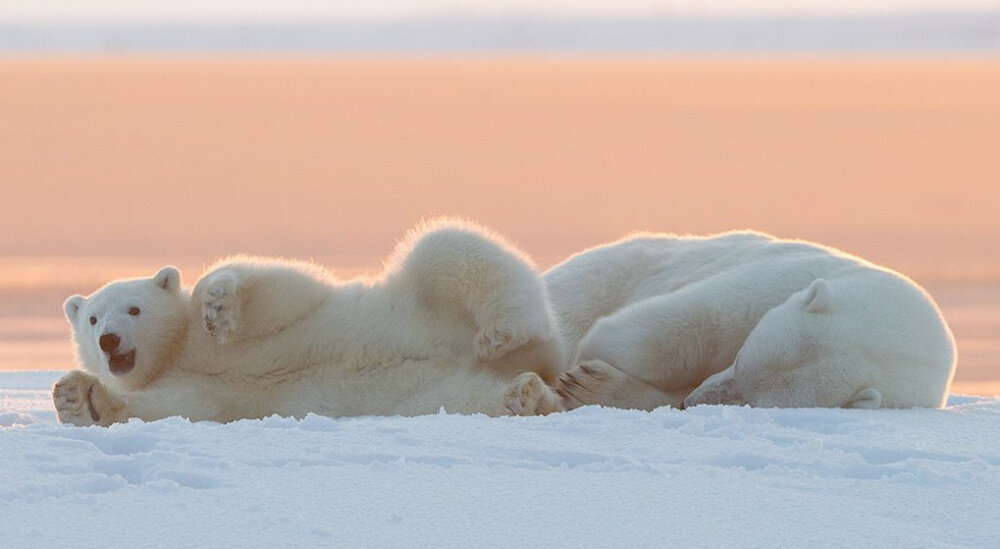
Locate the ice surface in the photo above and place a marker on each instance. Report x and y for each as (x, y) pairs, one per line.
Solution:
(712, 476)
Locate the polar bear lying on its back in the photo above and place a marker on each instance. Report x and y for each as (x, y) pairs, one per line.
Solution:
(745, 318)
(458, 320)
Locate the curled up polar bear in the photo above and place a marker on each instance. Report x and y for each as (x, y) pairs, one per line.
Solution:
(745, 318)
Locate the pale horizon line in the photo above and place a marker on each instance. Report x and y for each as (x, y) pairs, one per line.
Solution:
(311, 10)
(934, 32)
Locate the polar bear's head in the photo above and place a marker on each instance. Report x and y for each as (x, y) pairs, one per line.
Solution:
(128, 330)
(868, 341)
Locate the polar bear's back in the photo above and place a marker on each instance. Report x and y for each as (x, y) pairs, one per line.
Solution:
(601, 280)
(654, 263)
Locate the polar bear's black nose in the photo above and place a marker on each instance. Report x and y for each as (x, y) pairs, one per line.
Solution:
(109, 342)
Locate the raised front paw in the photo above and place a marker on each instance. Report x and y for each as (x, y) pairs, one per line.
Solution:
(221, 306)
(528, 395)
(79, 399)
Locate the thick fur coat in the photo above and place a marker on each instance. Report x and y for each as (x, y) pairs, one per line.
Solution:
(745, 318)
(458, 320)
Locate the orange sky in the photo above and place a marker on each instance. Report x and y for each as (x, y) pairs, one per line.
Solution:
(337, 157)
(185, 159)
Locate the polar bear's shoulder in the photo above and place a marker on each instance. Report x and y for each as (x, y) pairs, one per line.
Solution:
(271, 265)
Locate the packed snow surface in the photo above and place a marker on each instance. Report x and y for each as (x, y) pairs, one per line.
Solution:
(711, 476)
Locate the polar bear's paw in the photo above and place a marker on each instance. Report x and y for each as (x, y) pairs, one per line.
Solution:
(594, 381)
(77, 398)
(528, 395)
(493, 342)
(510, 331)
(589, 382)
(221, 306)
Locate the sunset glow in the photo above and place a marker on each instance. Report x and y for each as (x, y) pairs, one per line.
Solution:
(570, 273)
(111, 167)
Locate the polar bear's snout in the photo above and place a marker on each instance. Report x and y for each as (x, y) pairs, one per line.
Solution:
(717, 389)
(118, 362)
(109, 343)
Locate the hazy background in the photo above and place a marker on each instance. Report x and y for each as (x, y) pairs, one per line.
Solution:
(491, 26)
(135, 134)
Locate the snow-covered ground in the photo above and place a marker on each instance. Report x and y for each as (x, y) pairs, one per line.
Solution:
(712, 476)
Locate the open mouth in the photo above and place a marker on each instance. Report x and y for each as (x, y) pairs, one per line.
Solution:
(121, 364)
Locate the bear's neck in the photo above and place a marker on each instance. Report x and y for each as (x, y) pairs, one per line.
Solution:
(167, 357)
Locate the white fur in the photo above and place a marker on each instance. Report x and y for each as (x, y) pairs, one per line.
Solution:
(458, 320)
(745, 318)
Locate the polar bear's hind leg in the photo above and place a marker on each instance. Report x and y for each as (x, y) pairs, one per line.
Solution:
(459, 267)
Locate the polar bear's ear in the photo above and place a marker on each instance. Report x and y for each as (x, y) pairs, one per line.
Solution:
(168, 278)
(72, 307)
(868, 398)
(818, 296)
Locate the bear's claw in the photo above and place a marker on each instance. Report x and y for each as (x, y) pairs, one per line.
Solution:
(579, 385)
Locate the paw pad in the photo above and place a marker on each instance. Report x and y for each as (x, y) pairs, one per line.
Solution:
(220, 307)
(72, 398)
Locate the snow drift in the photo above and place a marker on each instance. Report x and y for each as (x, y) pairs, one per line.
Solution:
(710, 476)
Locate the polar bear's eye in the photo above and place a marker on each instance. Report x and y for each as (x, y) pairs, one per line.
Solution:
(93, 320)
(134, 311)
